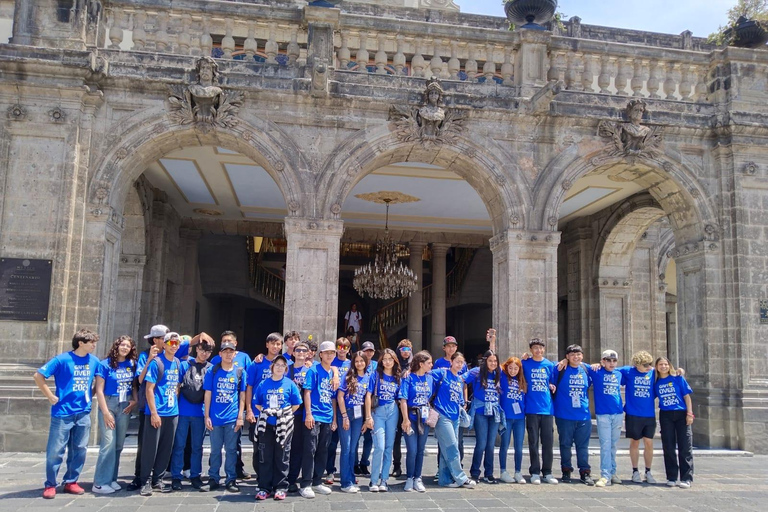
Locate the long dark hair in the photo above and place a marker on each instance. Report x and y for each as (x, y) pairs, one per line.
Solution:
(351, 377)
(114, 353)
(484, 370)
(418, 359)
(395, 368)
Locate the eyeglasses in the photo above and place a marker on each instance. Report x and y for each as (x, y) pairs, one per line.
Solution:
(280, 365)
(173, 343)
(300, 351)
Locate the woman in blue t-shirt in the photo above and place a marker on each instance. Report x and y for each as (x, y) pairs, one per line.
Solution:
(354, 397)
(448, 402)
(385, 383)
(486, 385)
(675, 418)
(415, 391)
(513, 387)
(116, 396)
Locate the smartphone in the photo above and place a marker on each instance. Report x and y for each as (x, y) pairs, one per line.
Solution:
(491, 333)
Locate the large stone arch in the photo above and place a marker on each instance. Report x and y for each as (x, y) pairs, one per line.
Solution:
(499, 183)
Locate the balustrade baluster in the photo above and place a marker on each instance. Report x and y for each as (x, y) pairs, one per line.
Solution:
(588, 75)
(508, 68)
(489, 68)
(670, 84)
(184, 39)
(399, 59)
(271, 47)
(701, 84)
(161, 32)
(604, 80)
(638, 77)
(685, 83)
(115, 32)
(454, 64)
(293, 49)
(436, 64)
(417, 62)
(622, 76)
(206, 41)
(381, 56)
(250, 46)
(139, 32)
(228, 42)
(653, 80)
(571, 72)
(344, 54)
(470, 67)
(362, 56)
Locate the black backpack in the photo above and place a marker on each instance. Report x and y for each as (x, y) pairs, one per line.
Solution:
(192, 383)
(160, 375)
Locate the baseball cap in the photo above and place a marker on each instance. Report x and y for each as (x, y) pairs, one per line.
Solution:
(157, 331)
(327, 346)
(170, 336)
(227, 345)
(448, 340)
(368, 346)
(609, 354)
(573, 349)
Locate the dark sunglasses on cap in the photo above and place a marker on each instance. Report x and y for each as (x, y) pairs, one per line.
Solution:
(610, 359)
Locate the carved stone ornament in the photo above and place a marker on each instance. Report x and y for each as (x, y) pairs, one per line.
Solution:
(632, 138)
(431, 124)
(205, 104)
(567, 184)
(121, 153)
(294, 206)
(57, 115)
(17, 112)
(553, 221)
(750, 168)
(335, 208)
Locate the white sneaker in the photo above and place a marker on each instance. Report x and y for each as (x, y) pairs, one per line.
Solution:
(372, 487)
(418, 485)
(506, 477)
(519, 478)
(103, 489)
(535, 479)
(408, 485)
(116, 486)
(684, 485)
(351, 489)
(602, 482)
(671, 483)
(383, 487)
(550, 479)
(636, 477)
(454, 485)
(322, 489)
(470, 484)
(306, 492)
(649, 478)
(186, 473)
(615, 479)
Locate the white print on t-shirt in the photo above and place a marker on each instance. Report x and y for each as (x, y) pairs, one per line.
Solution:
(668, 395)
(611, 384)
(422, 393)
(386, 390)
(457, 392)
(81, 377)
(643, 386)
(539, 380)
(326, 395)
(225, 390)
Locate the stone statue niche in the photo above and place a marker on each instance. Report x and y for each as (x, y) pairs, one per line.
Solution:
(632, 138)
(205, 104)
(431, 123)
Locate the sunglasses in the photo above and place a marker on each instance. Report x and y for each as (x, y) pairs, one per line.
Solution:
(173, 343)
(646, 365)
(300, 350)
(404, 349)
(341, 347)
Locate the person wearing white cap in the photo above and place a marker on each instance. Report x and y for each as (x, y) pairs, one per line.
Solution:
(609, 411)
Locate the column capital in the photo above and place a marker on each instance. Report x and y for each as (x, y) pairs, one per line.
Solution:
(318, 227)
(439, 248)
(517, 237)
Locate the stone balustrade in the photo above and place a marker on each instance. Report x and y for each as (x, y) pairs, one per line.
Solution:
(279, 35)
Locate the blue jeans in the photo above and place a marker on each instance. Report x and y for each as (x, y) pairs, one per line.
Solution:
(415, 443)
(223, 435)
(515, 430)
(574, 432)
(609, 431)
(193, 427)
(367, 446)
(68, 433)
(349, 439)
(111, 444)
(449, 465)
(486, 430)
(384, 428)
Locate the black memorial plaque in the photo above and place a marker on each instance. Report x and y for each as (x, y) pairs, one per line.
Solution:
(764, 311)
(25, 289)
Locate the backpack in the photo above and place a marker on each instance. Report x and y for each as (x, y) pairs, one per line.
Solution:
(192, 383)
(160, 375)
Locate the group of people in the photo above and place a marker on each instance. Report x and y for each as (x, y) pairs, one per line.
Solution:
(299, 409)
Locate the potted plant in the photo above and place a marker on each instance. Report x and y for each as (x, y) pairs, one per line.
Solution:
(530, 14)
(747, 25)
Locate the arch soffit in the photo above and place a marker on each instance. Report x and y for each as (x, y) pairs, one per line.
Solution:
(618, 244)
(149, 138)
(566, 168)
(666, 245)
(506, 195)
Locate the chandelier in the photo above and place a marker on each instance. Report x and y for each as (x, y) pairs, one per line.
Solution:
(385, 277)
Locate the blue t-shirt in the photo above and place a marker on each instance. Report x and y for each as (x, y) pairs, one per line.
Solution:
(318, 381)
(276, 394)
(225, 395)
(572, 394)
(183, 352)
(358, 398)
(488, 394)
(343, 366)
(443, 363)
(450, 392)
(538, 376)
(259, 372)
(512, 398)
(187, 408)
(385, 388)
(241, 360)
(117, 381)
(299, 375)
(607, 390)
(416, 391)
(167, 388)
(372, 365)
(671, 391)
(639, 397)
(73, 376)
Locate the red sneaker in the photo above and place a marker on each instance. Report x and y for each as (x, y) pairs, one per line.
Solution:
(73, 488)
(49, 493)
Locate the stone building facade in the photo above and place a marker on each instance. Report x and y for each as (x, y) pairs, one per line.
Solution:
(624, 175)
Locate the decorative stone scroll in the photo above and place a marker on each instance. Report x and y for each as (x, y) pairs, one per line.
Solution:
(632, 138)
(205, 104)
(431, 124)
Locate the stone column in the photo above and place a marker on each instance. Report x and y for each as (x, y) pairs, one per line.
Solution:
(312, 277)
(525, 289)
(186, 316)
(416, 302)
(615, 299)
(438, 296)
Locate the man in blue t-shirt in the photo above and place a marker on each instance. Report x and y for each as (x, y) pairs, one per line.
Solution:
(606, 384)
(224, 407)
(539, 420)
(73, 372)
(574, 421)
(161, 415)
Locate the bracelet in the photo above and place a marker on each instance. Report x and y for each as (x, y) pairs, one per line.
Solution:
(690, 414)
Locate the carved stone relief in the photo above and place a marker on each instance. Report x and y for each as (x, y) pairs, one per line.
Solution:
(632, 138)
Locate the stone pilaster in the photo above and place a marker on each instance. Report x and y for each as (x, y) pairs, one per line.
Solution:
(312, 277)
(416, 300)
(439, 252)
(525, 289)
(615, 300)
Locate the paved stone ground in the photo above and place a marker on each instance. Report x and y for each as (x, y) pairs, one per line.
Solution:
(722, 482)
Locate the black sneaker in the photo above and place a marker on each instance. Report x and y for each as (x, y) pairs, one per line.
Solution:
(176, 484)
(357, 470)
(232, 486)
(197, 482)
(146, 489)
(566, 477)
(489, 480)
(364, 470)
(212, 485)
(293, 488)
(586, 478)
(398, 472)
(135, 485)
